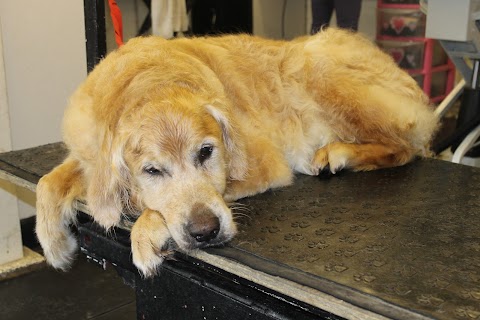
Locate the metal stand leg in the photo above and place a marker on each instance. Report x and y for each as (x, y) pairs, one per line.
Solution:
(450, 99)
(95, 34)
(468, 117)
(466, 145)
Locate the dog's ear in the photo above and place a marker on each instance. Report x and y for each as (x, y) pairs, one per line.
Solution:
(236, 149)
(108, 184)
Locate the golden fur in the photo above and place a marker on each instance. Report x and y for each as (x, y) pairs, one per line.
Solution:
(175, 128)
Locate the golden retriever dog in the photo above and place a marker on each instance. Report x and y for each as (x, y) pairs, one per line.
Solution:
(171, 131)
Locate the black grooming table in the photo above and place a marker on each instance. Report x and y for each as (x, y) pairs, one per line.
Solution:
(400, 243)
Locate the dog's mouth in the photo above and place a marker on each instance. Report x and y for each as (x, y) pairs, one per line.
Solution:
(188, 238)
(205, 228)
(190, 242)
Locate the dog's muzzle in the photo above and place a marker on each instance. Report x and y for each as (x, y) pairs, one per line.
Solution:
(203, 226)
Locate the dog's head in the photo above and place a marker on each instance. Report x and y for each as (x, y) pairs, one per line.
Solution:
(174, 154)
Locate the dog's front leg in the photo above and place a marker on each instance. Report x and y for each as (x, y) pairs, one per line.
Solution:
(56, 193)
(149, 238)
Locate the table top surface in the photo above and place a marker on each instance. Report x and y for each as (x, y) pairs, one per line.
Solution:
(401, 242)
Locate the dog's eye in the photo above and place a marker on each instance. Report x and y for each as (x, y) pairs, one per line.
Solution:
(205, 153)
(153, 171)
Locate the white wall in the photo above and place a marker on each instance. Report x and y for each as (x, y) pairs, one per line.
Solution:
(44, 53)
(10, 233)
(5, 137)
(44, 58)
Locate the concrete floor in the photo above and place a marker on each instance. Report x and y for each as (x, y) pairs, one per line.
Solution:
(84, 292)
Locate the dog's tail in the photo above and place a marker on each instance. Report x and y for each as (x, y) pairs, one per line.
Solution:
(56, 193)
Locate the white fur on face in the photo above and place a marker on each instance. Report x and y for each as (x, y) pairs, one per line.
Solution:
(171, 178)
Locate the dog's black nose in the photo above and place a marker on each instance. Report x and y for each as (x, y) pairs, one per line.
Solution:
(206, 235)
(204, 226)
(205, 230)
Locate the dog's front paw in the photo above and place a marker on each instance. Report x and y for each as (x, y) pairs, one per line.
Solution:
(59, 247)
(57, 240)
(149, 238)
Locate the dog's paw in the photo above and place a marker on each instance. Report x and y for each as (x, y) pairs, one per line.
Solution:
(147, 256)
(149, 239)
(331, 158)
(58, 243)
(58, 248)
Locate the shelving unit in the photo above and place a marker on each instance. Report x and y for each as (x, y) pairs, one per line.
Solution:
(401, 33)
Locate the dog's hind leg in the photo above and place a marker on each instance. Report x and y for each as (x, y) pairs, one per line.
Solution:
(379, 114)
(56, 193)
(359, 157)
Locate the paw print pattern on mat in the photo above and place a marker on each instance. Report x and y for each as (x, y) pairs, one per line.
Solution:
(467, 312)
(335, 267)
(346, 253)
(279, 217)
(294, 237)
(348, 238)
(359, 227)
(270, 229)
(325, 232)
(359, 231)
(300, 224)
(333, 220)
(318, 245)
(365, 277)
(308, 258)
(430, 300)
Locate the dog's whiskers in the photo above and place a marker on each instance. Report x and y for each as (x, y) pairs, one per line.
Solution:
(240, 217)
(240, 214)
(241, 211)
(239, 206)
(111, 232)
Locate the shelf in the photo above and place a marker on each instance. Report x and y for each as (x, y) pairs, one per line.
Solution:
(405, 5)
(398, 6)
(434, 73)
(401, 39)
(445, 67)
